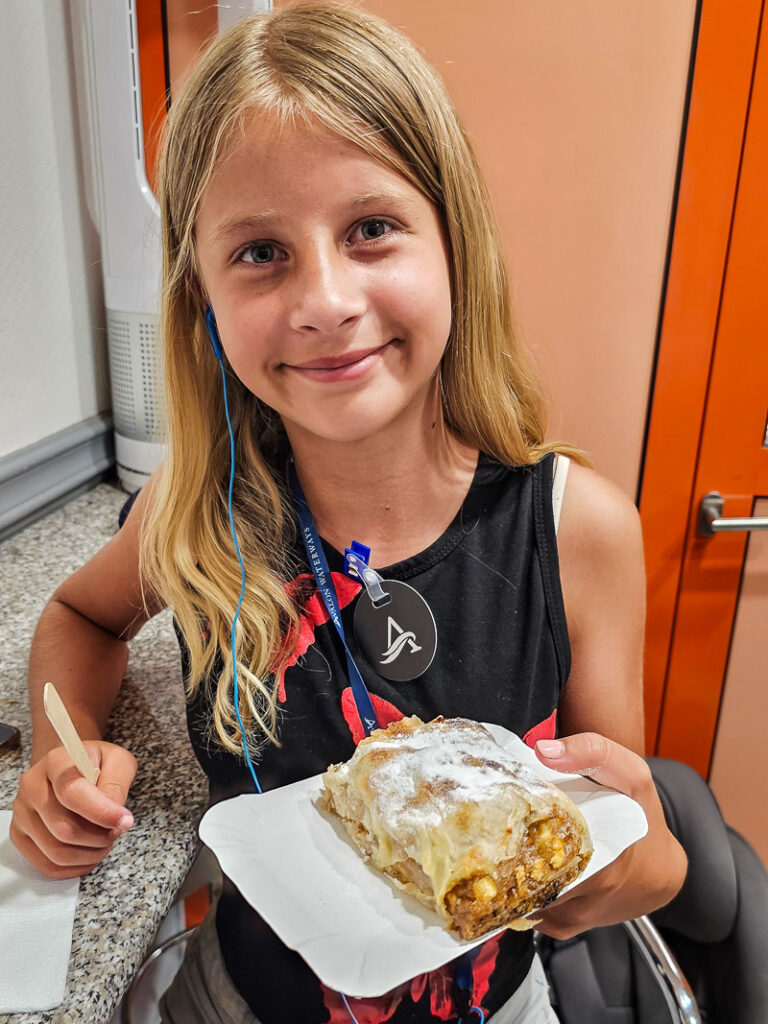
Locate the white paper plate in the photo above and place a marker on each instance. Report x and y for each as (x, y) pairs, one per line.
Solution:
(358, 933)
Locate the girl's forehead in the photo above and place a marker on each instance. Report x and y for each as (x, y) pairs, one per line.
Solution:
(283, 165)
(263, 140)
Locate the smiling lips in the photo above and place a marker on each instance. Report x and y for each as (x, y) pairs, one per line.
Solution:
(348, 366)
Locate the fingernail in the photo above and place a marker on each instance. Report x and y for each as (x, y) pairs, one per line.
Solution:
(551, 748)
(125, 822)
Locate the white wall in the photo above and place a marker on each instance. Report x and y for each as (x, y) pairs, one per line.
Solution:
(52, 336)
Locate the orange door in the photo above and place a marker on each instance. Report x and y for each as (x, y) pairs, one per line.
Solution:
(708, 431)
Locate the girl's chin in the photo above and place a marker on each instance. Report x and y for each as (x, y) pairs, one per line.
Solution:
(355, 426)
(335, 433)
(356, 417)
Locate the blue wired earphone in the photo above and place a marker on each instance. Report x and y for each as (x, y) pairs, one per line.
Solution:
(218, 351)
(213, 334)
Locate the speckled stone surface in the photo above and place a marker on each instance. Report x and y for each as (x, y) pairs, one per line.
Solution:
(123, 901)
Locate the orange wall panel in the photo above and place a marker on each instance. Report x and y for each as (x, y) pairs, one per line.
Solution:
(149, 21)
(732, 458)
(718, 112)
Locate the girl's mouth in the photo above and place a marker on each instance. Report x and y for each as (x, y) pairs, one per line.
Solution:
(347, 366)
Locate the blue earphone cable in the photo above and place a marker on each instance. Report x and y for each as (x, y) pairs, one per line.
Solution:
(242, 576)
(349, 1009)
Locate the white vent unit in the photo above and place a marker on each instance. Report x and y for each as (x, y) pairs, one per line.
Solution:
(127, 217)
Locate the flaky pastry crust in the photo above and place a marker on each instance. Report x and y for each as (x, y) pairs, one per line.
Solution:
(458, 822)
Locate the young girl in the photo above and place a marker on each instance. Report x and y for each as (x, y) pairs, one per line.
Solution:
(331, 257)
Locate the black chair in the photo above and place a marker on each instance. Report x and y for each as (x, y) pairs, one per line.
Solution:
(707, 950)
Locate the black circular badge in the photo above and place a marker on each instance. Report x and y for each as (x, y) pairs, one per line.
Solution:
(398, 638)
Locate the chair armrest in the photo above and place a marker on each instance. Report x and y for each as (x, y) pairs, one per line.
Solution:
(663, 966)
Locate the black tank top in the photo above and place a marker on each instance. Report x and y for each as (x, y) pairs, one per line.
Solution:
(492, 582)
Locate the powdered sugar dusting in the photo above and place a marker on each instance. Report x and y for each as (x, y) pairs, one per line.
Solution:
(424, 774)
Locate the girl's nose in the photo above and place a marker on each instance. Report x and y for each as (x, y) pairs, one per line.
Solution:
(327, 292)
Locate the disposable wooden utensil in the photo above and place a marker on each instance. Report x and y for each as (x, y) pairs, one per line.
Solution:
(59, 718)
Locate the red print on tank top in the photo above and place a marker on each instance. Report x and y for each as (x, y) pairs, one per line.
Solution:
(303, 591)
(543, 731)
(439, 985)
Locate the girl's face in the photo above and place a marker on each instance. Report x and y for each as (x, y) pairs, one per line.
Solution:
(328, 275)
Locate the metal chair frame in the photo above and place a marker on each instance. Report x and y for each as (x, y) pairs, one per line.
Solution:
(157, 952)
(664, 968)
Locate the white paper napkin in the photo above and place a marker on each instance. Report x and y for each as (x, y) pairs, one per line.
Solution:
(355, 929)
(36, 915)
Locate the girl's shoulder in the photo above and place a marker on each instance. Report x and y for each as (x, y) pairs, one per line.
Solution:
(597, 518)
(600, 550)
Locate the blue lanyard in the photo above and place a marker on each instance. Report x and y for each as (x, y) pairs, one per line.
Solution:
(324, 580)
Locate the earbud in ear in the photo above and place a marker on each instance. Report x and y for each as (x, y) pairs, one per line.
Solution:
(213, 333)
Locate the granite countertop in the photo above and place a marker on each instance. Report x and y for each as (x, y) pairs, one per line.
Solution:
(122, 902)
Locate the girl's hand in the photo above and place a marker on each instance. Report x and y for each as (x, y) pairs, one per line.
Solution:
(64, 824)
(647, 874)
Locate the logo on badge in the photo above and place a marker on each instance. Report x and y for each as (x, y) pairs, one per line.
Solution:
(383, 633)
(397, 638)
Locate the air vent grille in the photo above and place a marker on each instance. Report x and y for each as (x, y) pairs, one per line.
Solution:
(135, 375)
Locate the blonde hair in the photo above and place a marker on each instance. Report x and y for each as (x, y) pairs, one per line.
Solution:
(360, 78)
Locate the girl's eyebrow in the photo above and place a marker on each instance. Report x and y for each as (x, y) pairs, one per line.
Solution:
(239, 222)
(254, 221)
(374, 198)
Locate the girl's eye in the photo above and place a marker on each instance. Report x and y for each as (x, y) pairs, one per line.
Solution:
(371, 230)
(259, 252)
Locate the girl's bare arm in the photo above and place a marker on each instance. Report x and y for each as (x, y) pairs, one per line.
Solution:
(80, 640)
(601, 709)
(63, 824)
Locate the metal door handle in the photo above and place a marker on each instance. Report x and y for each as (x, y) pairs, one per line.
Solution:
(710, 521)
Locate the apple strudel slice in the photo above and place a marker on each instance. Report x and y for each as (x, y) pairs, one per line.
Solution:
(458, 822)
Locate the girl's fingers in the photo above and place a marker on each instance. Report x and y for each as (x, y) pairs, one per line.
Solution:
(71, 833)
(88, 801)
(72, 829)
(62, 823)
(27, 846)
(67, 855)
(104, 803)
(606, 762)
(118, 770)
